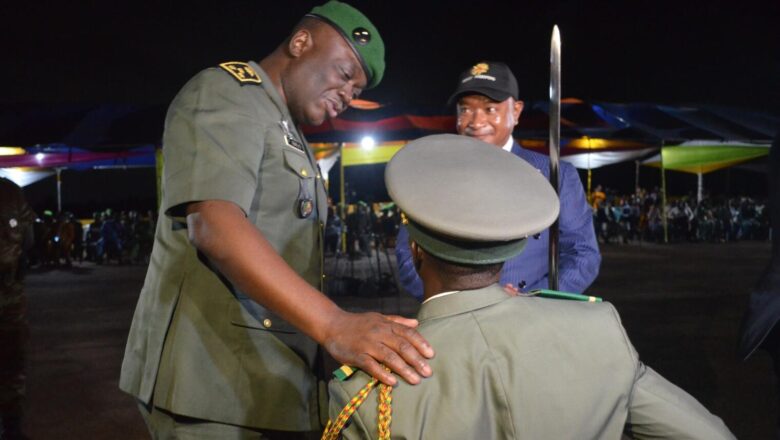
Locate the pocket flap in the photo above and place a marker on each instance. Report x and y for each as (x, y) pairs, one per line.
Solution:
(298, 163)
(250, 314)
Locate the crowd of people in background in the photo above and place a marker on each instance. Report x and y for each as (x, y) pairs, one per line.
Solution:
(123, 237)
(640, 217)
(126, 237)
(365, 227)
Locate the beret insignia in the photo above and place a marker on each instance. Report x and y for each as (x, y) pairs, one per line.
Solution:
(361, 36)
(242, 72)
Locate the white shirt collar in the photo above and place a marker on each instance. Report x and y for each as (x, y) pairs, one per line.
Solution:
(439, 295)
(508, 145)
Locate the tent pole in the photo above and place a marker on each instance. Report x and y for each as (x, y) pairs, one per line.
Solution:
(342, 204)
(663, 196)
(636, 178)
(590, 178)
(59, 190)
(700, 187)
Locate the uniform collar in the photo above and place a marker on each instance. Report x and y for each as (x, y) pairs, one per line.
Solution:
(269, 88)
(461, 302)
(439, 295)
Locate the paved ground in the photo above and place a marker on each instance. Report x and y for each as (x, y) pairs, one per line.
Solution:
(681, 304)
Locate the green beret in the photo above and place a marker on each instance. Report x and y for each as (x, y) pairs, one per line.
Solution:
(361, 35)
(467, 201)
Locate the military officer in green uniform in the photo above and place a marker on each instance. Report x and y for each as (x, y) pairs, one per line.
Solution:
(16, 219)
(224, 339)
(523, 367)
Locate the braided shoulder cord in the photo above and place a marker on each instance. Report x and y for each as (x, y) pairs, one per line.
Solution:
(384, 409)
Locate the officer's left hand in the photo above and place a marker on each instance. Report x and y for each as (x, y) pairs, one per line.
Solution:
(369, 340)
(511, 290)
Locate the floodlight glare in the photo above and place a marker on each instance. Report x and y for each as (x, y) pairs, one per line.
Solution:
(367, 143)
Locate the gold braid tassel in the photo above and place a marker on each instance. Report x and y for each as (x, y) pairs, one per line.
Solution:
(384, 410)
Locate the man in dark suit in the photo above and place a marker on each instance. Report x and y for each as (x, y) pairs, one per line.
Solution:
(488, 108)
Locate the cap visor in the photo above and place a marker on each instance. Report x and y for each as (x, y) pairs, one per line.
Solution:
(464, 252)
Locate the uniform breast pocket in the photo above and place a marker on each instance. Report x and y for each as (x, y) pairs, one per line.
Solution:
(298, 163)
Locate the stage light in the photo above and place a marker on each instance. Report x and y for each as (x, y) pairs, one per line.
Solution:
(39, 157)
(11, 151)
(367, 143)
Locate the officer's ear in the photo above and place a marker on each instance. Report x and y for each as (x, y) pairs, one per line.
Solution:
(301, 41)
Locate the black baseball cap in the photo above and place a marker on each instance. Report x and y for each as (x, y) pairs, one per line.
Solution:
(494, 80)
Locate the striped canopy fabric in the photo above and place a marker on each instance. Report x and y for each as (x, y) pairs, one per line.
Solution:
(702, 157)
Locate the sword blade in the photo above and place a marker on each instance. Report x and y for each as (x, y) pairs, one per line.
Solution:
(555, 145)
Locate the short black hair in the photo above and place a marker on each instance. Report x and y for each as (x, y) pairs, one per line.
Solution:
(470, 272)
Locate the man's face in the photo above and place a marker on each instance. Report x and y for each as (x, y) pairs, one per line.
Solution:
(320, 83)
(487, 120)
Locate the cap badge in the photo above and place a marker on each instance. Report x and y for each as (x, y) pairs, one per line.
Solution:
(361, 36)
(479, 69)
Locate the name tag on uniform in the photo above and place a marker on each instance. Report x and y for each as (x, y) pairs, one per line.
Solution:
(289, 139)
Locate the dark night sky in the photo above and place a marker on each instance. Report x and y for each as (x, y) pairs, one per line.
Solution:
(671, 52)
(683, 51)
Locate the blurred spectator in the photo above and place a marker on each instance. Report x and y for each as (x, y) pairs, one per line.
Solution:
(623, 219)
(16, 219)
(333, 230)
(63, 241)
(94, 239)
(111, 233)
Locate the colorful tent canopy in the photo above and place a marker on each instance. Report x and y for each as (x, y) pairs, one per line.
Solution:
(126, 126)
(593, 134)
(63, 157)
(30, 165)
(591, 153)
(702, 157)
(591, 161)
(25, 176)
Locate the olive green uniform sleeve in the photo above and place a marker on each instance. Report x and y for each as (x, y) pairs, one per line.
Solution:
(660, 409)
(213, 144)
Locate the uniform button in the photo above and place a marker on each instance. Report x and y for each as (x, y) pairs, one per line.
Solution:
(267, 323)
(323, 276)
(304, 173)
(521, 284)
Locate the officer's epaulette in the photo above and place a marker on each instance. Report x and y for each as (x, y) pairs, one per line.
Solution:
(343, 373)
(554, 294)
(242, 72)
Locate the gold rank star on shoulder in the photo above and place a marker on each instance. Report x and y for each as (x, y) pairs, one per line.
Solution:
(241, 71)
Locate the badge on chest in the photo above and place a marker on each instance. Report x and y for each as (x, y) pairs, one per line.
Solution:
(289, 139)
